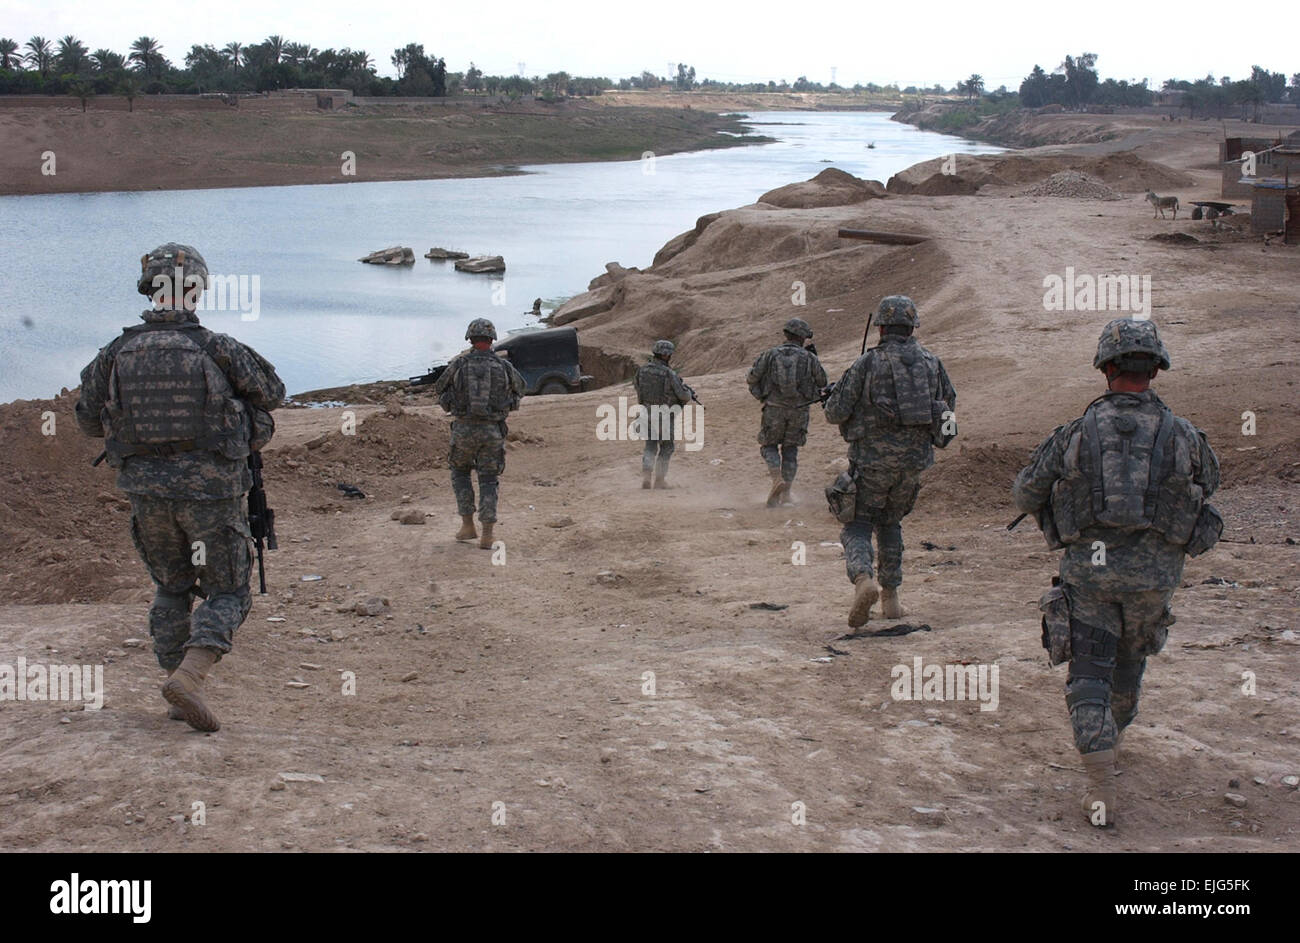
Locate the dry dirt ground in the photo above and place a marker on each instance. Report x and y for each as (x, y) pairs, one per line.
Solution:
(519, 687)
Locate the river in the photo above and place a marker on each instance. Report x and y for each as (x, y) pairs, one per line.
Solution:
(324, 319)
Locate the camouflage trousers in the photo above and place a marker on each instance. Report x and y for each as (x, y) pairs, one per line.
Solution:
(783, 430)
(885, 496)
(1111, 636)
(658, 452)
(481, 447)
(193, 544)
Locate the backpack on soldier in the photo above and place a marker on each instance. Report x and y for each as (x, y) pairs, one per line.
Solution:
(788, 368)
(168, 395)
(484, 388)
(1128, 467)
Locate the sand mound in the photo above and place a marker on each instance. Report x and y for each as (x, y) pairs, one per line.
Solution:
(831, 187)
(64, 534)
(976, 476)
(382, 446)
(1122, 172)
(1072, 184)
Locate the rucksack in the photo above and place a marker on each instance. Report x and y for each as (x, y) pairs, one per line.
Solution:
(484, 387)
(1128, 467)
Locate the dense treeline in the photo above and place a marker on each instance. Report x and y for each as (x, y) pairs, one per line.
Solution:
(67, 66)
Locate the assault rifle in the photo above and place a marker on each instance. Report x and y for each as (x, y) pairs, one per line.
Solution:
(261, 519)
(693, 396)
(822, 396)
(1012, 525)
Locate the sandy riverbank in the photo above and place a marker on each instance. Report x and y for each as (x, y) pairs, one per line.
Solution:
(522, 683)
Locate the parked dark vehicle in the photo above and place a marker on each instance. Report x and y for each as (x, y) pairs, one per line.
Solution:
(547, 359)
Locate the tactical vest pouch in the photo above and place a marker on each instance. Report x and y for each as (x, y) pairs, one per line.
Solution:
(842, 497)
(942, 417)
(1179, 500)
(484, 388)
(912, 387)
(1206, 532)
(1056, 623)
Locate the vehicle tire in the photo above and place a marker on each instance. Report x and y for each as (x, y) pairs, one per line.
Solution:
(1197, 213)
(552, 386)
(1211, 213)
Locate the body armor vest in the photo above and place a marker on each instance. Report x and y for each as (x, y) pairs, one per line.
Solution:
(483, 387)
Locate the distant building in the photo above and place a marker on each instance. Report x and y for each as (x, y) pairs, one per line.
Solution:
(1274, 157)
(1275, 205)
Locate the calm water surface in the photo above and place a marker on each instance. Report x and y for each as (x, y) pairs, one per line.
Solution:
(67, 279)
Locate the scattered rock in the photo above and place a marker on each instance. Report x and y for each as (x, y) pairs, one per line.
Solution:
(412, 517)
(419, 837)
(564, 521)
(608, 578)
(393, 407)
(924, 815)
(769, 606)
(302, 778)
(1235, 799)
(1291, 782)
(277, 786)
(372, 605)
(484, 264)
(1072, 183)
(394, 255)
(443, 254)
(409, 676)
(297, 684)
(134, 643)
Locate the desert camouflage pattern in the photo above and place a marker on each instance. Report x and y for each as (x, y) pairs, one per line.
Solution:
(478, 444)
(181, 265)
(480, 385)
(198, 474)
(1119, 612)
(896, 309)
(1136, 559)
(799, 328)
(1124, 336)
(481, 327)
(165, 531)
(886, 454)
(481, 447)
(786, 375)
(658, 384)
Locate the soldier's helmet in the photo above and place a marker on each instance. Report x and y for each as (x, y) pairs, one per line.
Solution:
(164, 261)
(1124, 338)
(896, 309)
(799, 328)
(481, 327)
(663, 349)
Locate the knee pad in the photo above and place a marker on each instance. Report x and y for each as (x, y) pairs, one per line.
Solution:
(1128, 675)
(165, 600)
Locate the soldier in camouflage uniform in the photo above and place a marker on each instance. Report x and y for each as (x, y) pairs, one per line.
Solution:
(180, 408)
(658, 384)
(1123, 490)
(892, 406)
(787, 380)
(479, 388)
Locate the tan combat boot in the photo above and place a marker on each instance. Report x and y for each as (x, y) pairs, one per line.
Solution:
(174, 712)
(778, 489)
(1100, 800)
(889, 604)
(467, 531)
(183, 687)
(485, 542)
(645, 479)
(864, 598)
(660, 481)
(786, 496)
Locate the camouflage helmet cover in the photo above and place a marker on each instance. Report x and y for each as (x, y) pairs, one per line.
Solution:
(1125, 336)
(165, 260)
(481, 327)
(896, 309)
(799, 328)
(663, 348)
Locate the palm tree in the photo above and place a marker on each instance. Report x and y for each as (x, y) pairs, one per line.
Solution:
(72, 56)
(83, 91)
(299, 53)
(974, 85)
(129, 87)
(7, 49)
(148, 53)
(106, 60)
(39, 55)
(274, 48)
(234, 53)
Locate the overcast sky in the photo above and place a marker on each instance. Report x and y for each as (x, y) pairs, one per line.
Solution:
(912, 43)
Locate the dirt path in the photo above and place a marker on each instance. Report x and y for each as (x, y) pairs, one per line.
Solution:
(530, 677)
